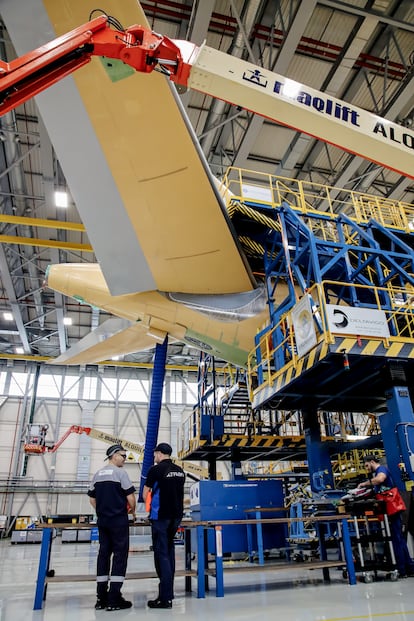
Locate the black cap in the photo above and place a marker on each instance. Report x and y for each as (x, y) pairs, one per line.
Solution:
(115, 448)
(371, 457)
(163, 448)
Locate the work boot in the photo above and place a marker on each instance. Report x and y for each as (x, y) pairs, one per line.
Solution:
(119, 604)
(101, 604)
(159, 603)
(101, 596)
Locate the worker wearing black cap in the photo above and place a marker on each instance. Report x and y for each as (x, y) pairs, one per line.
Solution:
(111, 493)
(165, 482)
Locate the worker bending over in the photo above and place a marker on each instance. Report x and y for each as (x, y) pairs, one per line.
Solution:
(380, 479)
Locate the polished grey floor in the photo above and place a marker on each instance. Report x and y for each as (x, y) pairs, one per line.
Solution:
(292, 596)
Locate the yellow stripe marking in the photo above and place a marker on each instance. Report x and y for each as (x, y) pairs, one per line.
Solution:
(395, 349)
(347, 344)
(311, 359)
(371, 347)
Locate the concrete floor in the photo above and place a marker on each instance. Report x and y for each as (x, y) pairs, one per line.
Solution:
(298, 595)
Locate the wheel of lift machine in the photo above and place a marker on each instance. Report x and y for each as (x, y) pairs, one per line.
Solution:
(345, 574)
(50, 573)
(394, 575)
(368, 577)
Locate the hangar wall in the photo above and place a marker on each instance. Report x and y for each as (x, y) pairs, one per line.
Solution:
(56, 483)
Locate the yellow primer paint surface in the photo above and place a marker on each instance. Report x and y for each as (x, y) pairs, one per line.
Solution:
(167, 194)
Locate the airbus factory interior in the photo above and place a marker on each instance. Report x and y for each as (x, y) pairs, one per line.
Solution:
(207, 226)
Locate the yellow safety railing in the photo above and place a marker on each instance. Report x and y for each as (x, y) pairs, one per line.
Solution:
(277, 348)
(350, 465)
(315, 198)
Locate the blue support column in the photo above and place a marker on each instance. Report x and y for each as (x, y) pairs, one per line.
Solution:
(154, 412)
(319, 461)
(219, 562)
(397, 429)
(44, 560)
(201, 587)
(346, 542)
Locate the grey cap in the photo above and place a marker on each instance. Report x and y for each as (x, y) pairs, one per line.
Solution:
(163, 448)
(115, 448)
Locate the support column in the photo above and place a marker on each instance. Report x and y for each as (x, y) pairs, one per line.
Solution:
(236, 467)
(154, 411)
(212, 468)
(397, 426)
(319, 461)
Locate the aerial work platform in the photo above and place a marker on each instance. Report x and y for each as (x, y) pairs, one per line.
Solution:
(338, 268)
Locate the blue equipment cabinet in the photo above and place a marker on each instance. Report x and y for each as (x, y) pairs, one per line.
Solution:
(229, 500)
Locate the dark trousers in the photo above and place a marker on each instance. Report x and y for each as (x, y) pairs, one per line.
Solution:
(112, 558)
(163, 532)
(403, 560)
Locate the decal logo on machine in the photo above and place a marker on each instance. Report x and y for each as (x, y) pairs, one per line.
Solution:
(296, 92)
(358, 321)
(340, 319)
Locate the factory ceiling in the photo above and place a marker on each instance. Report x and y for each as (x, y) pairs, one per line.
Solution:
(361, 51)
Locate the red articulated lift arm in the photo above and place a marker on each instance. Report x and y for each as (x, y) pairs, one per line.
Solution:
(31, 448)
(36, 449)
(217, 74)
(34, 72)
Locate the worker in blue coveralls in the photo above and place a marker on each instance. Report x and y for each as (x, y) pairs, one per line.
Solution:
(111, 494)
(380, 479)
(165, 484)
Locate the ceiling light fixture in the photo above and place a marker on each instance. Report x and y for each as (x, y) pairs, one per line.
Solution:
(61, 198)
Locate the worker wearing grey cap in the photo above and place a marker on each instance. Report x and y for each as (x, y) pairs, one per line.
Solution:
(111, 494)
(165, 482)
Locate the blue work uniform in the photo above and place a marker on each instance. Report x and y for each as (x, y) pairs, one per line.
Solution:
(110, 487)
(166, 481)
(403, 560)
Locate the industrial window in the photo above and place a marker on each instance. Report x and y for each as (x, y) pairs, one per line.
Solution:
(49, 386)
(18, 384)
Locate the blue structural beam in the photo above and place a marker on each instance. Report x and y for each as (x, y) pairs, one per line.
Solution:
(154, 411)
(397, 428)
(319, 459)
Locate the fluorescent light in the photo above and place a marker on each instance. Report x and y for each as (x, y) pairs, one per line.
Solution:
(115, 358)
(61, 198)
(8, 316)
(19, 350)
(67, 321)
